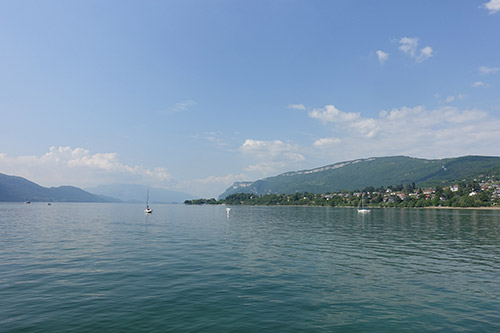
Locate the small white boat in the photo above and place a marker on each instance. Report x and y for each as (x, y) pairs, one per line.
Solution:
(148, 210)
(362, 209)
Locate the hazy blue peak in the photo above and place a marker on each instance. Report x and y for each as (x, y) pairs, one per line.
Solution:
(138, 193)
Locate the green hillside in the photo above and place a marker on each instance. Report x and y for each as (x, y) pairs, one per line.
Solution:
(379, 171)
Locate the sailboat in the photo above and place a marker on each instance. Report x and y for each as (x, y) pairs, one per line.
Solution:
(148, 210)
(362, 209)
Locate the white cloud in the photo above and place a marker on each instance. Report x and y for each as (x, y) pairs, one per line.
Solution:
(326, 142)
(297, 106)
(271, 155)
(343, 121)
(331, 114)
(488, 70)
(425, 53)
(64, 165)
(493, 6)
(416, 131)
(422, 118)
(410, 46)
(367, 127)
(270, 149)
(266, 168)
(478, 84)
(382, 56)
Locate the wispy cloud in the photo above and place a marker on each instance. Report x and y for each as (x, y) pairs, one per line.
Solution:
(65, 165)
(425, 53)
(409, 46)
(182, 106)
(493, 6)
(210, 186)
(382, 56)
(297, 106)
(478, 84)
(488, 70)
(219, 139)
(216, 138)
(449, 98)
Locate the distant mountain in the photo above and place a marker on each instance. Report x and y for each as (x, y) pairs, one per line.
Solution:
(376, 172)
(137, 193)
(13, 188)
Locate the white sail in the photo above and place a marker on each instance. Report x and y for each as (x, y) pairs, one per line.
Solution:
(362, 209)
(148, 210)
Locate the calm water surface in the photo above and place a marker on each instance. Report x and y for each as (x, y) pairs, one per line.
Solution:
(108, 267)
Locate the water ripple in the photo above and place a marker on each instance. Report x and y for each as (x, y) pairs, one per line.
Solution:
(95, 267)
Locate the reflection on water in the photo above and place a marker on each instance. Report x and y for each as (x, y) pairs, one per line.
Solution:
(110, 267)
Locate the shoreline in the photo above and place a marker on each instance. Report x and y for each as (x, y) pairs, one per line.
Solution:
(446, 207)
(368, 207)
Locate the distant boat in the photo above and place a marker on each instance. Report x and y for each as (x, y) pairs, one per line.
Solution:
(362, 209)
(148, 210)
(27, 202)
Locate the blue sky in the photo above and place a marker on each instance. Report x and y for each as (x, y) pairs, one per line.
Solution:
(194, 95)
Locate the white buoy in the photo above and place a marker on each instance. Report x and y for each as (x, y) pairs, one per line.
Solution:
(227, 211)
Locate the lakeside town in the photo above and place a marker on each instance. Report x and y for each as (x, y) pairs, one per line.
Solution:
(474, 193)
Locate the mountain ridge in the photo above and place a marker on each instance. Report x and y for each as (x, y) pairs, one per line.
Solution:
(372, 171)
(19, 189)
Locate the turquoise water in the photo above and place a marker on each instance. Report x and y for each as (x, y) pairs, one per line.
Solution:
(109, 267)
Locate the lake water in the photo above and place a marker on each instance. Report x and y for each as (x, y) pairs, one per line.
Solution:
(109, 267)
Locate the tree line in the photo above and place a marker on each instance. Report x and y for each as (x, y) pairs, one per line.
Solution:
(464, 194)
